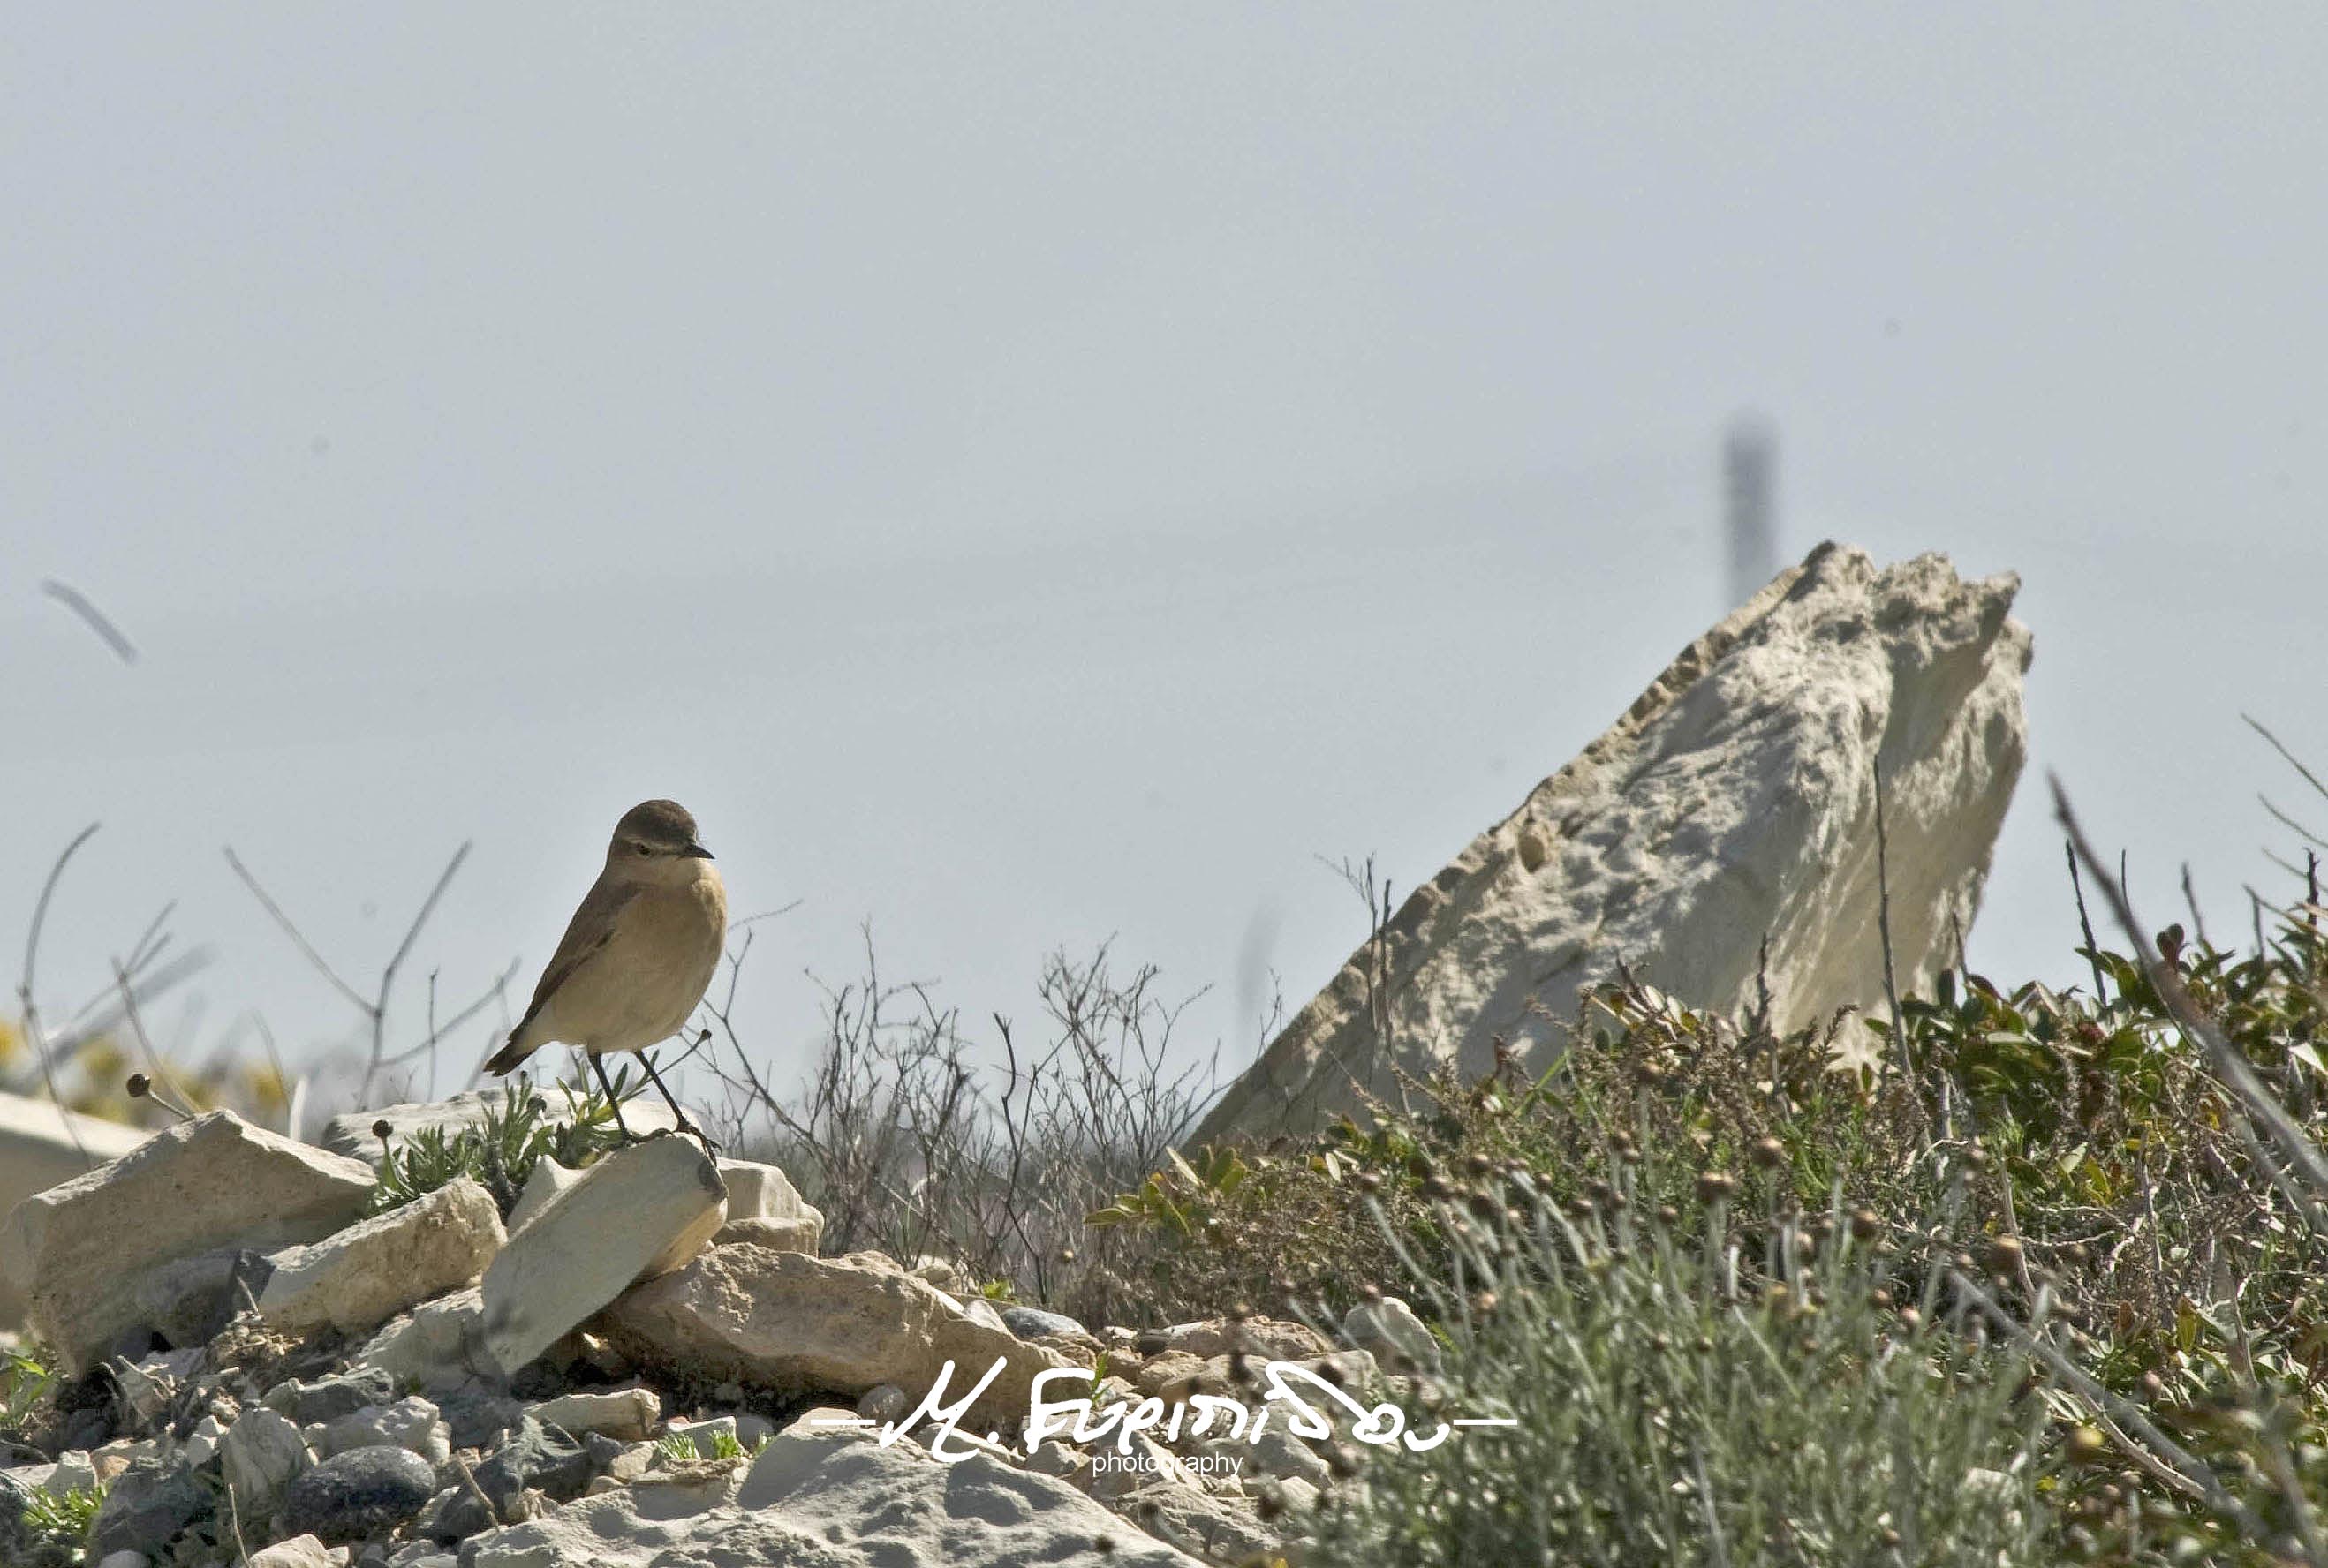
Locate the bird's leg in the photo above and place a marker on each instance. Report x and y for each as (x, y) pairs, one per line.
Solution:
(613, 1100)
(647, 1060)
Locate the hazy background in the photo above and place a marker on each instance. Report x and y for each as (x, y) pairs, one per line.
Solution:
(1026, 477)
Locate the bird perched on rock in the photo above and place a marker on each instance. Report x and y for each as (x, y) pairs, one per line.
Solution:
(637, 954)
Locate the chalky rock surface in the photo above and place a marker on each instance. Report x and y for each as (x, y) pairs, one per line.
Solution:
(370, 1272)
(639, 1212)
(765, 1207)
(789, 1324)
(78, 1250)
(1734, 801)
(42, 1144)
(839, 1502)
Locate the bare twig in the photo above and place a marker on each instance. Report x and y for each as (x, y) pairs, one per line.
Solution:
(31, 1010)
(72, 599)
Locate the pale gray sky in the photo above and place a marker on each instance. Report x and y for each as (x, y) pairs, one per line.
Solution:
(1028, 475)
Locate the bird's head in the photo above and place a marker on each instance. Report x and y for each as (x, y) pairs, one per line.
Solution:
(655, 842)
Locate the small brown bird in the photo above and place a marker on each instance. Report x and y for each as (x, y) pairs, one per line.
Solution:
(637, 956)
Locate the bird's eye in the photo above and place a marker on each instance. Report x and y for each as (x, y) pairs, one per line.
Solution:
(641, 848)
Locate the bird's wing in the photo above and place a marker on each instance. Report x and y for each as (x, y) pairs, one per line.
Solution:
(592, 926)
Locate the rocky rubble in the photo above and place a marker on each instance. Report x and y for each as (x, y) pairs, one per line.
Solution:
(632, 1367)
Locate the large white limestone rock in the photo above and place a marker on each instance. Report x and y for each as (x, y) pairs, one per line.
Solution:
(637, 1213)
(42, 1144)
(1734, 802)
(79, 1250)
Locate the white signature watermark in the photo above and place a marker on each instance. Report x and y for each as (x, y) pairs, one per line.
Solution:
(1302, 1395)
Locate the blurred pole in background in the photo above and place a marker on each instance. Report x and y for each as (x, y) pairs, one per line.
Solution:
(1750, 473)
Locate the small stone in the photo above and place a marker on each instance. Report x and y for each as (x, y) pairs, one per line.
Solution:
(883, 1403)
(764, 1207)
(1034, 1324)
(453, 1516)
(1389, 1330)
(203, 1440)
(440, 1345)
(408, 1423)
(146, 1506)
(329, 1398)
(538, 1458)
(260, 1456)
(359, 1493)
(124, 1560)
(629, 1414)
(704, 1434)
(298, 1552)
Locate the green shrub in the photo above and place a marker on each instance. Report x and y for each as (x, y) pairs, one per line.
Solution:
(1678, 1404)
(501, 1151)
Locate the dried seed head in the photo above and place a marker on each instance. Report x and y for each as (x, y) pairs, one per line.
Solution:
(1866, 1224)
(2085, 1445)
(138, 1086)
(1668, 1214)
(1476, 1166)
(1769, 1152)
(1716, 1185)
(1369, 1182)
(380, 1129)
(2005, 1255)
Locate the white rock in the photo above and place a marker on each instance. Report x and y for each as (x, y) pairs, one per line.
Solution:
(351, 1134)
(38, 1150)
(764, 1207)
(298, 1552)
(366, 1274)
(1112, 1472)
(76, 1249)
(203, 1440)
(122, 1559)
(1389, 1330)
(547, 1180)
(1270, 1339)
(410, 1423)
(627, 1413)
(793, 1324)
(839, 1502)
(640, 1212)
(260, 1456)
(1734, 801)
(883, 1403)
(704, 1434)
(440, 1345)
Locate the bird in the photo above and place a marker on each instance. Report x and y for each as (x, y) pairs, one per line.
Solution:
(637, 956)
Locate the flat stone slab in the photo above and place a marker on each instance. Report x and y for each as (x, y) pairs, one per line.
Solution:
(637, 1213)
(366, 1274)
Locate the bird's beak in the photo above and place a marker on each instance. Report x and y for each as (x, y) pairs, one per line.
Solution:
(695, 852)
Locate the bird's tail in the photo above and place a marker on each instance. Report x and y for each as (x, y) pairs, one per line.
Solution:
(511, 1055)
